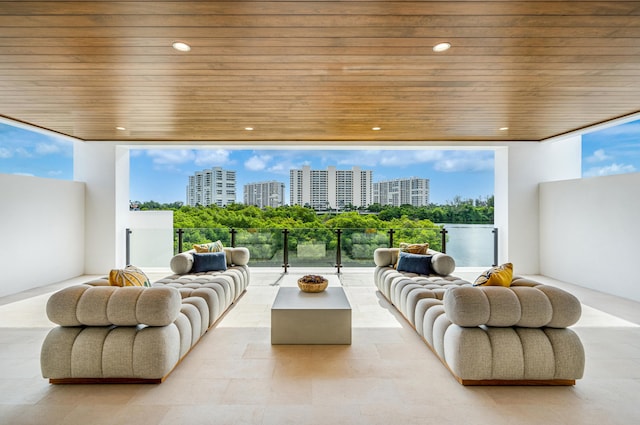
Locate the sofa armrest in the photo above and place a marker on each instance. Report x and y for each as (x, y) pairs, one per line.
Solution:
(522, 306)
(238, 256)
(385, 257)
(86, 305)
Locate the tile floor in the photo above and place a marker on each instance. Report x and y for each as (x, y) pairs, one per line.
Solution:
(387, 376)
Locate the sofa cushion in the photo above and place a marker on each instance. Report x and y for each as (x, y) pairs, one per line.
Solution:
(129, 276)
(86, 305)
(414, 263)
(208, 247)
(496, 276)
(209, 261)
(521, 306)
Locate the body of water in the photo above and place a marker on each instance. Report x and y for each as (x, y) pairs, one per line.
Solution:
(471, 245)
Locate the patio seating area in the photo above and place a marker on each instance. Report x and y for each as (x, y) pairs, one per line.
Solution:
(387, 375)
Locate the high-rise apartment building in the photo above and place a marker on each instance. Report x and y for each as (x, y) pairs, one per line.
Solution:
(264, 194)
(330, 188)
(413, 191)
(215, 186)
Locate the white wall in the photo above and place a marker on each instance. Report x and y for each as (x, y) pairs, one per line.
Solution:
(519, 169)
(104, 167)
(42, 232)
(590, 233)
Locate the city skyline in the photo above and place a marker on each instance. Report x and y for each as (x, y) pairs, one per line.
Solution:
(161, 175)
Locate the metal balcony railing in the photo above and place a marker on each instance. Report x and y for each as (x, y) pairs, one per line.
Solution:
(470, 245)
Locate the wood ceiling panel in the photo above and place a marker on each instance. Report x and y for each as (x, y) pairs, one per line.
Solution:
(319, 70)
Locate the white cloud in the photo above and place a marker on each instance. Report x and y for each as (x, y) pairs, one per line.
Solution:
(47, 148)
(610, 170)
(442, 160)
(467, 163)
(5, 153)
(171, 156)
(257, 162)
(598, 156)
(24, 153)
(24, 174)
(208, 158)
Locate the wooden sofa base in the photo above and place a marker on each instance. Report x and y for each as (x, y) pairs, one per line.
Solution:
(86, 381)
(523, 382)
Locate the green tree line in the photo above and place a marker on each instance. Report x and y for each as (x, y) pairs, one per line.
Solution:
(362, 231)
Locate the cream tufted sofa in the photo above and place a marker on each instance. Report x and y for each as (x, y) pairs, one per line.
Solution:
(489, 335)
(110, 334)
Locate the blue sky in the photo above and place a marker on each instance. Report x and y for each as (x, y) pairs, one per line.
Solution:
(161, 175)
(30, 153)
(614, 150)
(164, 173)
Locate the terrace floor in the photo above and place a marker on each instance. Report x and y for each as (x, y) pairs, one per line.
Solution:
(388, 375)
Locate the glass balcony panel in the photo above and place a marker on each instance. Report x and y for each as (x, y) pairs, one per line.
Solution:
(469, 245)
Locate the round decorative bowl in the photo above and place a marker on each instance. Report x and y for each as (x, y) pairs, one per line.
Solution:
(312, 283)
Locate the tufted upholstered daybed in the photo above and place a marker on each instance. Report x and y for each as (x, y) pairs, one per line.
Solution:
(132, 334)
(488, 335)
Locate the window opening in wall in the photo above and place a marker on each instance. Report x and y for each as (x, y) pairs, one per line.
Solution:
(612, 150)
(29, 152)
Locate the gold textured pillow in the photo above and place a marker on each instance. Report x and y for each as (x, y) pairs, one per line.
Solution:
(208, 247)
(129, 276)
(496, 276)
(414, 248)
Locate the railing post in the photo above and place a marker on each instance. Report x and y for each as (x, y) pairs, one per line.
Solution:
(233, 237)
(180, 233)
(443, 233)
(128, 245)
(495, 246)
(391, 232)
(285, 251)
(339, 250)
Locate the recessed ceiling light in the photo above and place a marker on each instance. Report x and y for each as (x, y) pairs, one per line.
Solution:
(441, 47)
(504, 128)
(120, 128)
(179, 45)
(249, 128)
(376, 128)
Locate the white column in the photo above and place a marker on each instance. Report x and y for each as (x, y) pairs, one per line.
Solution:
(104, 168)
(519, 169)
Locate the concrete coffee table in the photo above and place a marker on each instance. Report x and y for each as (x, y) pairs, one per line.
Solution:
(311, 318)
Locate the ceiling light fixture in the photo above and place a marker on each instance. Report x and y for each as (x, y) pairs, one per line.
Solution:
(120, 128)
(376, 128)
(180, 46)
(441, 47)
(504, 128)
(249, 128)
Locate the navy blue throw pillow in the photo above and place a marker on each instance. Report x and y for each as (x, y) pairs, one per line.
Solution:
(209, 261)
(414, 263)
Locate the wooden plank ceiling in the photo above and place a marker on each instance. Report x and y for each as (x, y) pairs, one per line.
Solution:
(318, 70)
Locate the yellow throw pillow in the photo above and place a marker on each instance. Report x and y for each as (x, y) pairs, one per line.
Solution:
(415, 248)
(208, 247)
(129, 276)
(496, 276)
